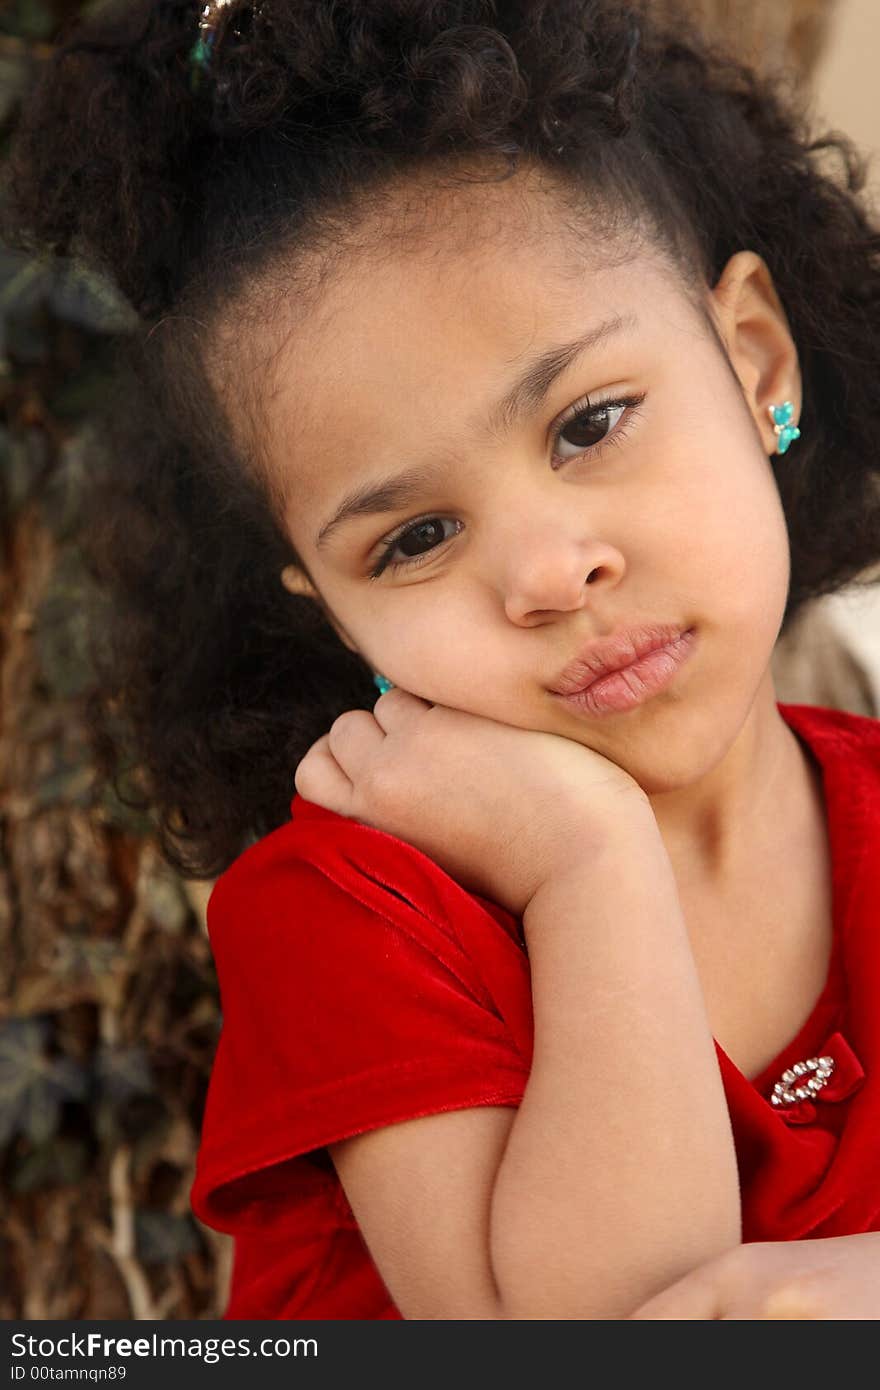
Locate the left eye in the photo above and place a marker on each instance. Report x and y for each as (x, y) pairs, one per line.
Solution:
(590, 427)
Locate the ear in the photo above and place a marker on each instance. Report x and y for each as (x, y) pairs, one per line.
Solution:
(296, 581)
(755, 331)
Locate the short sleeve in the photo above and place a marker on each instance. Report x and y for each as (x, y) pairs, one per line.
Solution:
(360, 986)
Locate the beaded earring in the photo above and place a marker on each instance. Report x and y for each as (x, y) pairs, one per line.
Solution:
(383, 683)
(786, 432)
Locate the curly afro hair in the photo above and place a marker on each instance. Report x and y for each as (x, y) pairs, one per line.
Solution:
(214, 681)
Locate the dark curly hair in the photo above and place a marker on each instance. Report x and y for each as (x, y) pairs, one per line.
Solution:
(213, 680)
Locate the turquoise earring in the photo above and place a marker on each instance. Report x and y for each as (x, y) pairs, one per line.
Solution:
(786, 432)
(383, 683)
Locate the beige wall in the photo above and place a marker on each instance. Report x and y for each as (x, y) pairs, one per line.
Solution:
(846, 86)
(832, 655)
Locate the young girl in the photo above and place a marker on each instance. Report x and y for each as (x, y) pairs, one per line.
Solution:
(523, 358)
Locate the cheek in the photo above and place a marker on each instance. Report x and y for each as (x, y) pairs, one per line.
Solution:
(732, 533)
(442, 633)
(721, 490)
(443, 649)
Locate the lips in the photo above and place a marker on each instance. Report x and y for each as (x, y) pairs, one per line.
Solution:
(614, 653)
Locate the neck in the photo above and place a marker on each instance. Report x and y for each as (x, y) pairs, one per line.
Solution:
(765, 788)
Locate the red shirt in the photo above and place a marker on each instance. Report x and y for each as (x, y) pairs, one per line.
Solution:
(361, 986)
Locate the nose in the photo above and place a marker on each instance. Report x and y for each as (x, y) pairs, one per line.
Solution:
(553, 568)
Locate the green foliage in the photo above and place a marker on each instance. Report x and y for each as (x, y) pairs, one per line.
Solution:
(61, 1162)
(33, 1085)
(30, 19)
(163, 1238)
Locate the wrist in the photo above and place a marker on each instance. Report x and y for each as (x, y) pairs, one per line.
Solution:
(625, 840)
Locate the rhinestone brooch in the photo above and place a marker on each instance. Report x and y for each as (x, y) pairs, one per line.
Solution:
(789, 1090)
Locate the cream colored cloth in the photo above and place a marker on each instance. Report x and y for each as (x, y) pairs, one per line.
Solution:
(831, 654)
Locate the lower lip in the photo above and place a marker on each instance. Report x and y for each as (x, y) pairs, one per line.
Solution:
(632, 686)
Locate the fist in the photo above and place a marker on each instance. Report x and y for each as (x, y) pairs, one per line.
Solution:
(500, 809)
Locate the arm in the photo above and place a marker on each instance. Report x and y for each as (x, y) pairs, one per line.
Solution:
(617, 1174)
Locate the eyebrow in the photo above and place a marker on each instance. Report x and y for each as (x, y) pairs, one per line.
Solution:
(525, 396)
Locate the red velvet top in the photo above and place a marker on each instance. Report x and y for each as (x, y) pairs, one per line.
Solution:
(361, 986)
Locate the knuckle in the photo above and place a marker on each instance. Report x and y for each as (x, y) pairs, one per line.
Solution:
(395, 692)
(345, 727)
(302, 773)
(302, 776)
(343, 722)
(307, 772)
(803, 1295)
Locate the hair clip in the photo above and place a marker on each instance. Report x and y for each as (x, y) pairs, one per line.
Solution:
(786, 432)
(212, 24)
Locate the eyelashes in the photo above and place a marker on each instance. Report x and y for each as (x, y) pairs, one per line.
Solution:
(585, 411)
(412, 562)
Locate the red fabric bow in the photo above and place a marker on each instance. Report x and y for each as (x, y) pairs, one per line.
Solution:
(846, 1078)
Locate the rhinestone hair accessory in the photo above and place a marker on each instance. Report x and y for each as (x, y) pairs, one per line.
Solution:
(213, 20)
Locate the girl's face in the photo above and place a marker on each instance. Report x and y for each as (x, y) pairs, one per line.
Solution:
(631, 486)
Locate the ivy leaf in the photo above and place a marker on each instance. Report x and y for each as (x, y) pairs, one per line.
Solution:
(163, 1238)
(61, 626)
(83, 958)
(29, 19)
(122, 1072)
(34, 1086)
(15, 78)
(127, 1102)
(60, 1163)
(84, 296)
(25, 282)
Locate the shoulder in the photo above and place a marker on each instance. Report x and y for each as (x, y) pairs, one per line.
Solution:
(323, 868)
(345, 852)
(846, 747)
(836, 732)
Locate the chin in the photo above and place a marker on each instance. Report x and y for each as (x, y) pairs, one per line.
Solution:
(672, 755)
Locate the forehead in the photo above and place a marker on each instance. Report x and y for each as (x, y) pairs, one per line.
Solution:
(443, 231)
(423, 312)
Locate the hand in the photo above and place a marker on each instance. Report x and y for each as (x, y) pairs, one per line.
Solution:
(832, 1279)
(499, 808)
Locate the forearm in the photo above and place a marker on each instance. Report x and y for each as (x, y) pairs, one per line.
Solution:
(619, 1173)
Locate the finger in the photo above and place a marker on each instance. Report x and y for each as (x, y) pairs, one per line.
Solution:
(319, 778)
(354, 740)
(695, 1298)
(398, 707)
